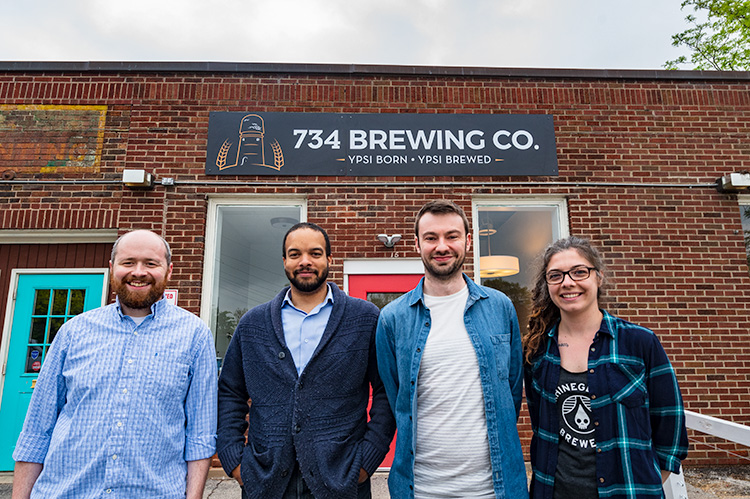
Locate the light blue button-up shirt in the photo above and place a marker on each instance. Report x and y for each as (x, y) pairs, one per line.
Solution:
(119, 408)
(303, 331)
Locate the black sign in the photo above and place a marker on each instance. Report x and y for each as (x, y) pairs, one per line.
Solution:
(380, 144)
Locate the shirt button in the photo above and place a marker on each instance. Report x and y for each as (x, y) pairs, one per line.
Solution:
(419, 349)
(119, 424)
(282, 355)
(591, 371)
(307, 341)
(130, 361)
(285, 473)
(114, 457)
(593, 349)
(124, 390)
(108, 491)
(598, 450)
(601, 480)
(426, 323)
(593, 397)
(297, 428)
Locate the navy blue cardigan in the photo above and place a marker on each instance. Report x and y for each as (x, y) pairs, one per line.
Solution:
(319, 417)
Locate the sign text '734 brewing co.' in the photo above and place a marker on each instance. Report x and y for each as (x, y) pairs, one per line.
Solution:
(252, 143)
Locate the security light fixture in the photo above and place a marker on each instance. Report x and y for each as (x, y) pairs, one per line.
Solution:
(734, 182)
(137, 179)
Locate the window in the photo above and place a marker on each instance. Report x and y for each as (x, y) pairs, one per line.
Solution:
(243, 260)
(745, 214)
(509, 235)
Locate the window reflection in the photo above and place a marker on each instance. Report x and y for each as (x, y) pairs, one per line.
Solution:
(248, 265)
(514, 232)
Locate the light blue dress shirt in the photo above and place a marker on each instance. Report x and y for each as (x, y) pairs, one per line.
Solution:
(303, 331)
(119, 408)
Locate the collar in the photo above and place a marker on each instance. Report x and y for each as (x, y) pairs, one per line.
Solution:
(476, 292)
(156, 308)
(607, 326)
(288, 298)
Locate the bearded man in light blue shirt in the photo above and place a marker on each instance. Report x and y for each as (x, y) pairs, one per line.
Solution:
(125, 403)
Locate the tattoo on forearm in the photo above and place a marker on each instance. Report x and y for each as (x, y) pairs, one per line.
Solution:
(563, 345)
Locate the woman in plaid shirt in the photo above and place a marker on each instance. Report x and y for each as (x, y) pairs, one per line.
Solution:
(605, 407)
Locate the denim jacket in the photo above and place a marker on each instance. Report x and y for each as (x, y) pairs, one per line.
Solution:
(492, 326)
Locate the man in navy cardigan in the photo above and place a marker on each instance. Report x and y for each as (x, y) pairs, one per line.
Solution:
(296, 376)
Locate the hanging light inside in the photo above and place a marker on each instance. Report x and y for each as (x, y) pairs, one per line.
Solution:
(495, 265)
(498, 266)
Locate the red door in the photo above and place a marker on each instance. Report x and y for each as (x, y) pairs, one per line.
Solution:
(382, 289)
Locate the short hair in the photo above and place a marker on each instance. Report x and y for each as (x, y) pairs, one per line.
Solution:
(167, 250)
(306, 225)
(440, 207)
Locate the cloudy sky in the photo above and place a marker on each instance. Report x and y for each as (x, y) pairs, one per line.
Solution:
(598, 34)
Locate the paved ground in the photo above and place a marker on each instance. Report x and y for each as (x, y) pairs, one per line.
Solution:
(730, 482)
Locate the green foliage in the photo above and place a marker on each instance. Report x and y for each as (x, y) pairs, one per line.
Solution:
(720, 43)
(226, 322)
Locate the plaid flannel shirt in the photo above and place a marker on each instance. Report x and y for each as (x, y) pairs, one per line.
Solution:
(636, 405)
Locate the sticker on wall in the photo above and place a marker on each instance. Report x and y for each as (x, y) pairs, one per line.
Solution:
(255, 143)
(171, 296)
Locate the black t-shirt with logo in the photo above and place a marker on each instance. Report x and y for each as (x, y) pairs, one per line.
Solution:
(575, 476)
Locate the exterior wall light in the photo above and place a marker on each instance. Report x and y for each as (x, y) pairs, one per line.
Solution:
(389, 241)
(137, 179)
(734, 182)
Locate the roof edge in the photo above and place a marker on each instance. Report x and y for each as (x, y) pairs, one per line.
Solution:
(364, 69)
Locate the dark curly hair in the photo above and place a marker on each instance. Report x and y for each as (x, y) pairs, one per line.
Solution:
(544, 313)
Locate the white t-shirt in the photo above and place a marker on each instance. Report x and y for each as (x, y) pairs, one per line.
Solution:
(453, 455)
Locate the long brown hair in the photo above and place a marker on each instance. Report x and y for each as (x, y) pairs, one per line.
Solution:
(544, 313)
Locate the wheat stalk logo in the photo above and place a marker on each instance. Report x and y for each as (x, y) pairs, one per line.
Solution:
(278, 156)
(221, 158)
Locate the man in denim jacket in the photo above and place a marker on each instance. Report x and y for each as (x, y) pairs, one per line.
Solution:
(449, 355)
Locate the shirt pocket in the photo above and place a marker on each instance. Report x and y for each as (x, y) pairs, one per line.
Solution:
(627, 384)
(168, 377)
(501, 351)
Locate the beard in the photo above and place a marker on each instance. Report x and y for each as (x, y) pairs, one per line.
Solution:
(310, 285)
(138, 299)
(443, 272)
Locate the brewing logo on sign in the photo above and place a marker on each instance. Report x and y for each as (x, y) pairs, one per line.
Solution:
(380, 144)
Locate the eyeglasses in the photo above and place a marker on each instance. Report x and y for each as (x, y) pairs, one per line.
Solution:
(576, 273)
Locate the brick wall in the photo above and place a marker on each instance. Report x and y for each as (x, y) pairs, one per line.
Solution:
(628, 148)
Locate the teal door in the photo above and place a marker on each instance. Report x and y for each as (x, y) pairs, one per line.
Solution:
(43, 303)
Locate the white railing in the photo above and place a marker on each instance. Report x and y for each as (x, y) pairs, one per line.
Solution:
(674, 487)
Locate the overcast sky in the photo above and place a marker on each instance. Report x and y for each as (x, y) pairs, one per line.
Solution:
(596, 34)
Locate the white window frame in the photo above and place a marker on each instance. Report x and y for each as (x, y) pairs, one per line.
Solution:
(481, 201)
(220, 201)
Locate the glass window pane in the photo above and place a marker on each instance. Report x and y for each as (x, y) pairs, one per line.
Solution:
(382, 299)
(59, 301)
(77, 298)
(38, 328)
(33, 360)
(41, 302)
(248, 267)
(510, 239)
(54, 326)
(745, 212)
